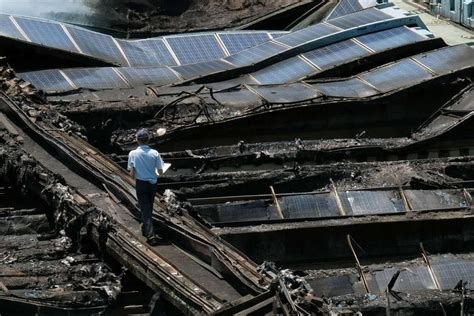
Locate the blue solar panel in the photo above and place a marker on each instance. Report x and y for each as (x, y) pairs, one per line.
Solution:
(195, 49)
(289, 93)
(46, 33)
(7, 28)
(236, 42)
(201, 69)
(98, 45)
(278, 34)
(47, 80)
(351, 88)
(285, 71)
(359, 18)
(397, 75)
(307, 34)
(151, 75)
(449, 274)
(345, 7)
(391, 38)
(255, 54)
(335, 54)
(151, 52)
(95, 78)
(448, 59)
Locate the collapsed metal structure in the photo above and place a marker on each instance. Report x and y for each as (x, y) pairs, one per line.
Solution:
(291, 147)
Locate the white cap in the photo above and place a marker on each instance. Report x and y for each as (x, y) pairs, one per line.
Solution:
(160, 132)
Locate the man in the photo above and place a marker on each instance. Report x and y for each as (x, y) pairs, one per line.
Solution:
(145, 165)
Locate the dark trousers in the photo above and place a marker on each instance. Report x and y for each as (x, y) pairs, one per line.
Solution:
(146, 195)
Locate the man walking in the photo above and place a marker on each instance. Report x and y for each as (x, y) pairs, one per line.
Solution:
(145, 165)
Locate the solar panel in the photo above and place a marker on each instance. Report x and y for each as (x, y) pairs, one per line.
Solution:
(195, 49)
(309, 206)
(285, 71)
(391, 38)
(151, 52)
(345, 7)
(95, 78)
(278, 34)
(351, 88)
(98, 45)
(236, 42)
(47, 80)
(7, 28)
(359, 18)
(307, 34)
(238, 98)
(200, 69)
(449, 274)
(448, 59)
(372, 202)
(434, 199)
(332, 286)
(290, 93)
(255, 54)
(397, 75)
(153, 75)
(417, 278)
(244, 211)
(46, 33)
(335, 54)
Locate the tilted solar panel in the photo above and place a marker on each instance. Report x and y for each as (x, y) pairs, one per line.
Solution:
(150, 52)
(345, 7)
(309, 206)
(95, 78)
(289, 93)
(359, 18)
(336, 53)
(307, 34)
(351, 88)
(195, 49)
(446, 59)
(395, 37)
(417, 278)
(46, 33)
(99, 45)
(197, 70)
(372, 202)
(47, 80)
(236, 42)
(255, 54)
(151, 75)
(449, 274)
(399, 74)
(285, 71)
(8, 28)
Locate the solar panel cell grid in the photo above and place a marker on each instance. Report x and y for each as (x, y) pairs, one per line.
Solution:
(391, 38)
(152, 52)
(335, 54)
(307, 34)
(7, 28)
(236, 42)
(359, 18)
(255, 54)
(446, 59)
(195, 49)
(417, 278)
(200, 69)
(143, 76)
(351, 88)
(285, 71)
(345, 7)
(450, 273)
(46, 33)
(47, 80)
(95, 78)
(99, 45)
(309, 206)
(290, 93)
(373, 202)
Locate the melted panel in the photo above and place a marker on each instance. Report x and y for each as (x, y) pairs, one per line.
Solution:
(96, 78)
(150, 52)
(97, 45)
(332, 286)
(45, 33)
(359, 18)
(255, 54)
(434, 199)
(286, 71)
(448, 59)
(290, 93)
(202, 69)
(411, 280)
(195, 49)
(143, 76)
(373, 202)
(47, 80)
(309, 206)
(7, 28)
(236, 42)
(307, 34)
(238, 98)
(335, 54)
(352, 88)
(397, 75)
(244, 211)
(391, 38)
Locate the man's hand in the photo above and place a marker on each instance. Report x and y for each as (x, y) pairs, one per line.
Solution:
(159, 171)
(131, 172)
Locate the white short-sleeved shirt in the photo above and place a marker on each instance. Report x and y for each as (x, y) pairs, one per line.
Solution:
(146, 162)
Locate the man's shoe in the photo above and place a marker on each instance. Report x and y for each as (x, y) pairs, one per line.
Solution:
(153, 240)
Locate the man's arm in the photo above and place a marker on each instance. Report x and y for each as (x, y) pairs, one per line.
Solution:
(159, 165)
(131, 165)
(131, 172)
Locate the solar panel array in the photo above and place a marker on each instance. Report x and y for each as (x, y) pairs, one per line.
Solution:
(345, 7)
(324, 205)
(367, 16)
